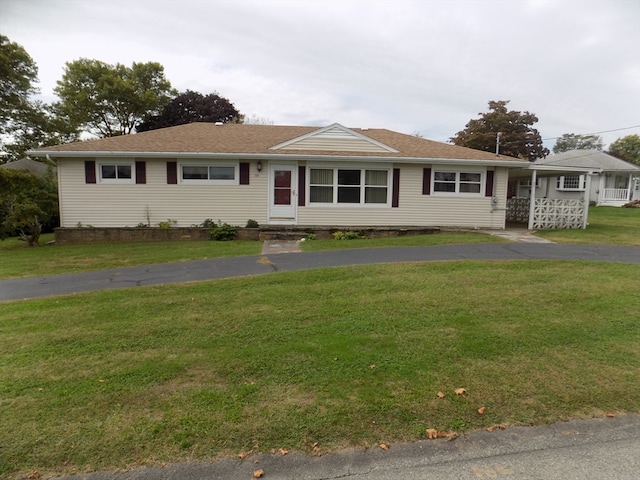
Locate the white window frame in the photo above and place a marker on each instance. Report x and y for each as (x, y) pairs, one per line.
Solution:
(458, 171)
(208, 164)
(363, 186)
(116, 163)
(561, 180)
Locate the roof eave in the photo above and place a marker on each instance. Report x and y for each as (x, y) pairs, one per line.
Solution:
(274, 156)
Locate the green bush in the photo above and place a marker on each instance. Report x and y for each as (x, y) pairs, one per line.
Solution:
(348, 235)
(222, 232)
(28, 205)
(165, 225)
(208, 223)
(252, 224)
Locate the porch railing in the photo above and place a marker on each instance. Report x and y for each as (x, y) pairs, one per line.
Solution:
(615, 194)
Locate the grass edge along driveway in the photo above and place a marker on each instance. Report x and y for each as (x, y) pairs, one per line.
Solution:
(331, 358)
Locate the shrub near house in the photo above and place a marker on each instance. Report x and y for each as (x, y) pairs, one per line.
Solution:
(28, 205)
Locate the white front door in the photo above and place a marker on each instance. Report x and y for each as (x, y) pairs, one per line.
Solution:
(283, 183)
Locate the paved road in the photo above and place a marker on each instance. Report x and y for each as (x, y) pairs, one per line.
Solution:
(598, 449)
(261, 264)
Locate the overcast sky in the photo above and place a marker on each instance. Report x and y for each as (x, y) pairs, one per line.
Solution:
(411, 66)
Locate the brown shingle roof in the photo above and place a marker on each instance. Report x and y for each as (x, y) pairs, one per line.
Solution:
(38, 168)
(258, 139)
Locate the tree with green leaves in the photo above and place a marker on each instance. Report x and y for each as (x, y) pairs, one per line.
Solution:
(18, 73)
(28, 203)
(110, 100)
(39, 125)
(25, 123)
(571, 141)
(189, 107)
(626, 148)
(511, 130)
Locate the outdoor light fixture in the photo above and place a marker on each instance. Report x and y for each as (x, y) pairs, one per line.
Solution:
(259, 165)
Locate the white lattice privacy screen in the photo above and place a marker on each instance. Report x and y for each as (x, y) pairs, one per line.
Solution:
(548, 214)
(551, 214)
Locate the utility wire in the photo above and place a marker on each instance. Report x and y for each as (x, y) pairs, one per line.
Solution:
(596, 133)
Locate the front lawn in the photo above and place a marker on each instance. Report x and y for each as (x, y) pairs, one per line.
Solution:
(312, 361)
(18, 260)
(607, 225)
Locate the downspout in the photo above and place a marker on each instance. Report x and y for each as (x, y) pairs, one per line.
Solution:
(532, 199)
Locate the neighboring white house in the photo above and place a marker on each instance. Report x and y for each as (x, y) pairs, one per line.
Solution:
(613, 182)
(279, 175)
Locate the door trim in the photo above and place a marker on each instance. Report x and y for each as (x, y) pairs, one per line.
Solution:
(279, 215)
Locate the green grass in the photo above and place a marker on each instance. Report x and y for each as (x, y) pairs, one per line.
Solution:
(607, 225)
(17, 260)
(341, 356)
(445, 238)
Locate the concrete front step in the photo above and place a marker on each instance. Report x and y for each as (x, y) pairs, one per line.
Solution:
(289, 235)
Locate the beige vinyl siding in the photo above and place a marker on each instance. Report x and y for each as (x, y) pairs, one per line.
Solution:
(336, 144)
(416, 209)
(336, 139)
(112, 205)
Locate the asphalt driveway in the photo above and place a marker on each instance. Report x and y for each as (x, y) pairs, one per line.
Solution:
(212, 269)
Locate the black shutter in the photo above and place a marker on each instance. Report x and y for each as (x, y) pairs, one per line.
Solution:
(244, 173)
(488, 190)
(90, 171)
(426, 181)
(302, 190)
(172, 173)
(141, 172)
(395, 191)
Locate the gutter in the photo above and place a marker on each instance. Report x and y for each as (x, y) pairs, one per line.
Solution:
(277, 157)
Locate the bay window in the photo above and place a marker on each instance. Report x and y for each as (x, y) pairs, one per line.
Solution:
(357, 186)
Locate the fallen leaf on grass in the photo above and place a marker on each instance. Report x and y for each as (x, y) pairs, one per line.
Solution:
(372, 366)
(461, 391)
(481, 410)
(34, 475)
(283, 452)
(432, 434)
(440, 395)
(242, 455)
(258, 473)
(610, 415)
(384, 447)
(496, 427)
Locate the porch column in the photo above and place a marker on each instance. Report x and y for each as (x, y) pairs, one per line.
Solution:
(587, 194)
(532, 198)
